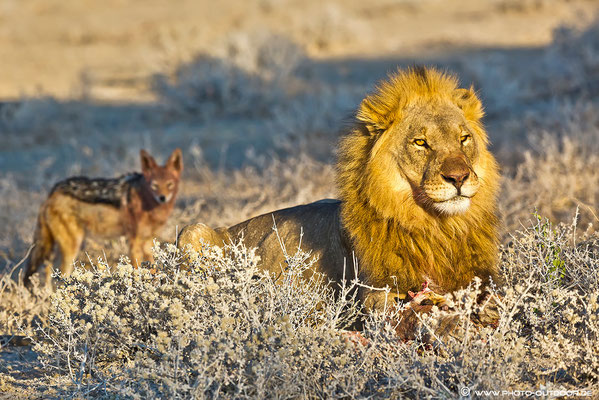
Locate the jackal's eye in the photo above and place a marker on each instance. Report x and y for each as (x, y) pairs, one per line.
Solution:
(170, 185)
(154, 186)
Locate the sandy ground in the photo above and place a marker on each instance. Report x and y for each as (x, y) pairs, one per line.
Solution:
(57, 47)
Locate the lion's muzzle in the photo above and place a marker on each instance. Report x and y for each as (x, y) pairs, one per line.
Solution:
(455, 171)
(451, 186)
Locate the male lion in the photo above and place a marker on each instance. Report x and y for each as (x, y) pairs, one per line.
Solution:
(418, 196)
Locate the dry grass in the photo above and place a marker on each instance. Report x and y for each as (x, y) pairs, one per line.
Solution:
(226, 329)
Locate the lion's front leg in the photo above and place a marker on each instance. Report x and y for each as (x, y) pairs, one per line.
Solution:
(381, 300)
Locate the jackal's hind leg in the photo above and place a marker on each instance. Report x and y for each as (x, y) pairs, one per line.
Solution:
(41, 253)
(69, 239)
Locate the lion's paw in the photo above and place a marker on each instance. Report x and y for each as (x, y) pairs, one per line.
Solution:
(427, 297)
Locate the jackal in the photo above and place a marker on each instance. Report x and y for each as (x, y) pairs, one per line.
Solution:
(133, 205)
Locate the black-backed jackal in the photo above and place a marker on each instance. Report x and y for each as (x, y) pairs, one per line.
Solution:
(134, 205)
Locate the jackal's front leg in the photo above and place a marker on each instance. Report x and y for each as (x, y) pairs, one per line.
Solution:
(141, 251)
(136, 251)
(148, 254)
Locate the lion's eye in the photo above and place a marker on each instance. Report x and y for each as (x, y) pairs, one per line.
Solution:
(464, 139)
(420, 142)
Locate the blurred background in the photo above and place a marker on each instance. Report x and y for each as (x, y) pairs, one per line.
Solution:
(257, 93)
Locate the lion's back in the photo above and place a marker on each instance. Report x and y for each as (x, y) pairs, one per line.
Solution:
(317, 225)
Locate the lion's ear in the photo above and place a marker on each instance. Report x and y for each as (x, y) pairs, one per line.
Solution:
(374, 116)
(469, 102)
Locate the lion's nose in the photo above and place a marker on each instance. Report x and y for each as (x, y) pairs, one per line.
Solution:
(455, 171)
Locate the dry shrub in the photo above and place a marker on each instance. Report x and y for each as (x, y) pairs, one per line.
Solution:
(557, 176)
(21, 308)
(248, 77)
(330, 26)
(17, 218)
(571, 64)
(520, 6)
(553, 277)
(34, 116)
(209, 87)
(223, 328)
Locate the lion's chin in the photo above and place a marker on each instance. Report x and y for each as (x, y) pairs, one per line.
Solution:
(454, 206)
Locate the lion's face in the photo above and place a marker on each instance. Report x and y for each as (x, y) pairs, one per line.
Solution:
(436, 153)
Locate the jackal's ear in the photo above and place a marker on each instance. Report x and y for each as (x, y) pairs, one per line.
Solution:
(147, 162)
(175, 161)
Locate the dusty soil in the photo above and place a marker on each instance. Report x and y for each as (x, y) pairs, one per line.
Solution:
(58, 48)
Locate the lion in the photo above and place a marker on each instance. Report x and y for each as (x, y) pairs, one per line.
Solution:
(418, 188)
